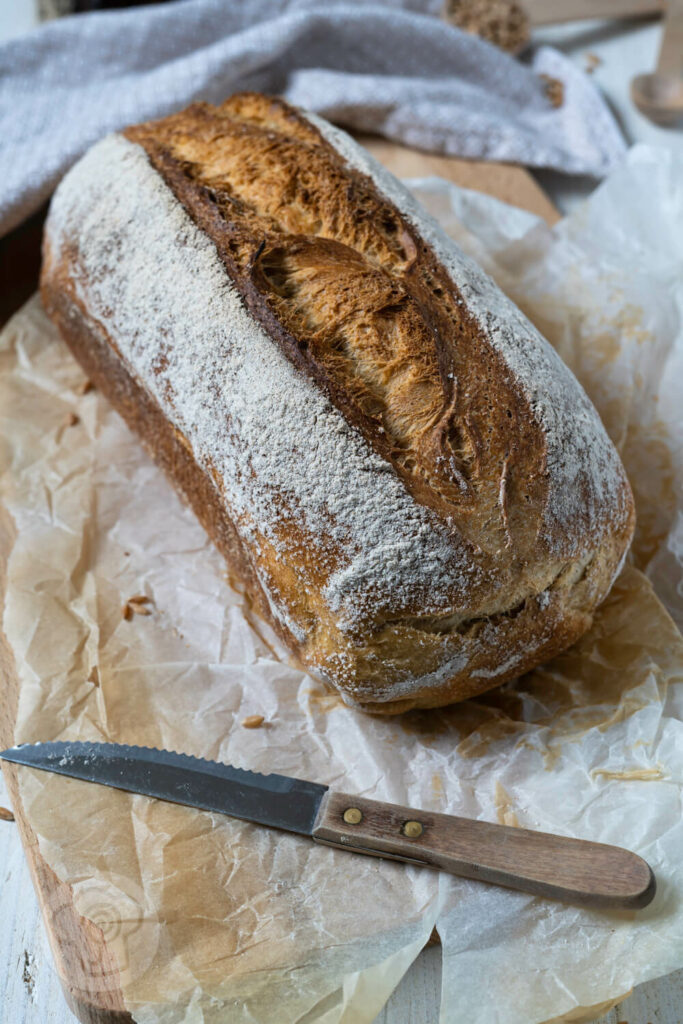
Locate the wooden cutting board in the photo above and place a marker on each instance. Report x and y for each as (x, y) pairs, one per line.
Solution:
(78, 946)
(512, 184)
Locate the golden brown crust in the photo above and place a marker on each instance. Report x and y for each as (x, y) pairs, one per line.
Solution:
(346, 288)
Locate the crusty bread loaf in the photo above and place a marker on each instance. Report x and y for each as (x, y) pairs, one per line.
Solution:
(413, 487)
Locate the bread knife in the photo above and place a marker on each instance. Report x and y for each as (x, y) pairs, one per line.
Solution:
(572, 870)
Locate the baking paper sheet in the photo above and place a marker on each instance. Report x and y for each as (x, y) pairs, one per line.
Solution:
(214, 920)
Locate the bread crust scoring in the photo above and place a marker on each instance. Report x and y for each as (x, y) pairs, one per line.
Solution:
(413, 487)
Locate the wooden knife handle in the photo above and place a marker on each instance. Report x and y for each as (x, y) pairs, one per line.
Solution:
(572, 870)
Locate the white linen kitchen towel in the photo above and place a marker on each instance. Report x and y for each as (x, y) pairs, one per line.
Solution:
(387, 66)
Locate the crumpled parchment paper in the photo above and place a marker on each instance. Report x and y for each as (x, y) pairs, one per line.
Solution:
(215, 920)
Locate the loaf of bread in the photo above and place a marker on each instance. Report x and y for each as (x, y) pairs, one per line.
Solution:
(412, 487)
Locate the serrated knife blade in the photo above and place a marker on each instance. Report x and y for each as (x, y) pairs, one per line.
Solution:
(558, 867)
(275, 800)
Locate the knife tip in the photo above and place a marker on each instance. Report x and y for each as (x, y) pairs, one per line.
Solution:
(16, 753)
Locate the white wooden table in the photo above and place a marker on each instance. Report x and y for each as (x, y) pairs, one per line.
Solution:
(31, 992)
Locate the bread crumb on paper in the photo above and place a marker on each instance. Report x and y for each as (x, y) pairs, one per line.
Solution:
(253, 722)
(139, 604)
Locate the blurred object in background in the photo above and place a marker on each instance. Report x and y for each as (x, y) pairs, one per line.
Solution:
(508, 24)
(504, 23)
(659, 95)
(48, 9)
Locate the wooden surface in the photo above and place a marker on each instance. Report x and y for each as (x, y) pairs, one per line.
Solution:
(508, 182)
(560, 868)
(78, 951)
(549, 12)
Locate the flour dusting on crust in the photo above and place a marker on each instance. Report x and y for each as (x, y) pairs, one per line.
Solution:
(277, 445)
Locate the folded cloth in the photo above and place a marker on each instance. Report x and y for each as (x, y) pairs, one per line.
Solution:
(387, 66)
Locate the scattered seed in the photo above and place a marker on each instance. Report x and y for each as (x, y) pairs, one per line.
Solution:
(71, 419)
(127, 612)
(85, 387)
(6, 814)
(253, 721)
(140, 599)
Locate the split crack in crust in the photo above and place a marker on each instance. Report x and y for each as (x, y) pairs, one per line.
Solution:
(360, 303)
(357, 301)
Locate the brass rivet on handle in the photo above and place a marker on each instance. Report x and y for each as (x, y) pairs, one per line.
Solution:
(352, 815)
(412, 829)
